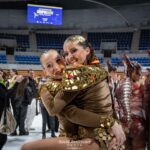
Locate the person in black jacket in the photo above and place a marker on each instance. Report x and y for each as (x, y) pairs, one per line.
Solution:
(5, 95)
(23, 98)
(3, 100)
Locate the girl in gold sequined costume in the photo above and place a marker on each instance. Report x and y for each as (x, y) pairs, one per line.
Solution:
(104, 120)
(54, 65)
(89, 89)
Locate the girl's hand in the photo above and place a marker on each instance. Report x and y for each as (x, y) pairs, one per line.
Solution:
(118, 133)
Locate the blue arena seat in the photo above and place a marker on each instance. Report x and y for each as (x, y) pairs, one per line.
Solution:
(46, 41)
(3, 59)
(22, 40)
(27, 59)
(144, 40)
(144, 61)
(123, 39)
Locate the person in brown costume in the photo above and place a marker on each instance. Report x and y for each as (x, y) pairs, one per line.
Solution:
(102, 121)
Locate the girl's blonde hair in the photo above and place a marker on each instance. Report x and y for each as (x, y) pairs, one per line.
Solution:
(84, 43)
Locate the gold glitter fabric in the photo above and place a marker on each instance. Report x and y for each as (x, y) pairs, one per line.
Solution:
(101, 135)
(53, 86)
(81, 77)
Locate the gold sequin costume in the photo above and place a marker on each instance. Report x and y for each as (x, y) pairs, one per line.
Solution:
(94, 96)
(66, 128)
(86, 87)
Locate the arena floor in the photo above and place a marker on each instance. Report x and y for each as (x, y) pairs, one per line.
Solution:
(15, 142)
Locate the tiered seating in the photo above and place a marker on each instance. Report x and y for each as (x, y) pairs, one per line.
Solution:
(22, 40)
(101, 59)
(46, 41)
(123, 39)
(116, 61)
(100, 56)
(144, 61)
(21, 59)
(3, 59)
(144, 40)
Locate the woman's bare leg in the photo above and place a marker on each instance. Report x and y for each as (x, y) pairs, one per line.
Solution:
(61, 143)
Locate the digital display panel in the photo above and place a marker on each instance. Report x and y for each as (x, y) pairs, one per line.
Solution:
(41, 14)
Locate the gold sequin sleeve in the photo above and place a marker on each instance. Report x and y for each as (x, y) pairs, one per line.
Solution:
(55, 103)
(88, 119)
(47, 99)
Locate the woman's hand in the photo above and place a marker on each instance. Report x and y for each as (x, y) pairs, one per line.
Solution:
(113, 144)
(119, 135)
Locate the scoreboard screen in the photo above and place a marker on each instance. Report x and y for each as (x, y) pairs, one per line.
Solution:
(41, 14)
